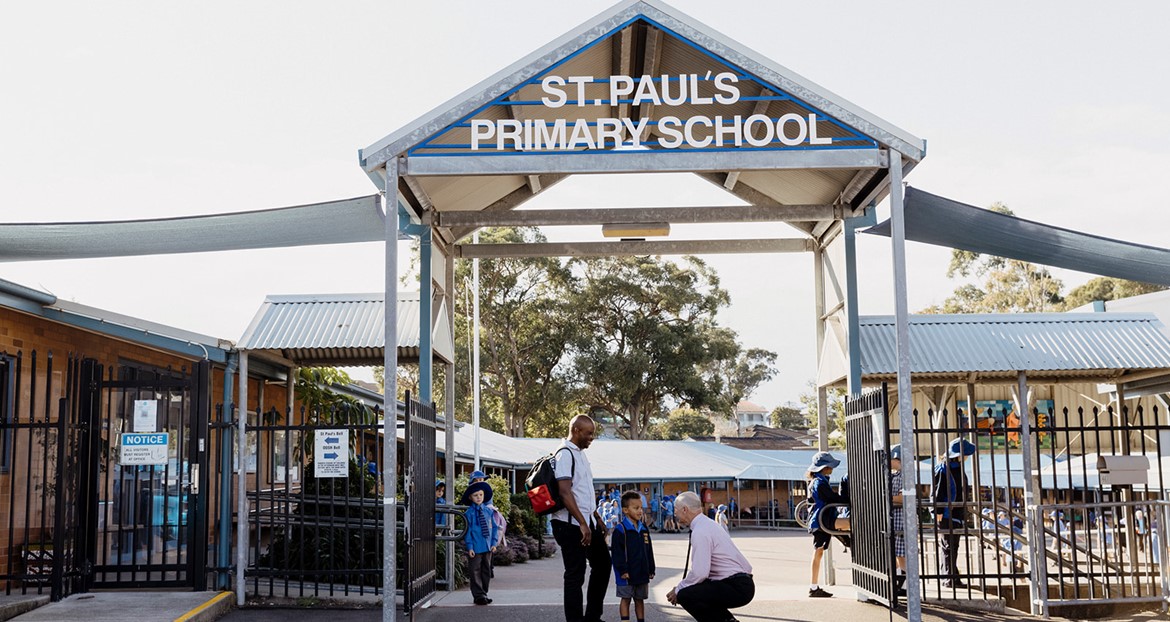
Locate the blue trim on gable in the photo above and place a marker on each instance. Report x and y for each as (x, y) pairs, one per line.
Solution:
(780, 95)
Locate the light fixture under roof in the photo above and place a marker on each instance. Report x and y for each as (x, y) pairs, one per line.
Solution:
(636, 230)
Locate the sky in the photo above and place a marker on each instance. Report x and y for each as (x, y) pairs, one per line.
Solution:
(123, 110)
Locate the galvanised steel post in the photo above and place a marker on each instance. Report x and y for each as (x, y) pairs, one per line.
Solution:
(242, 481)
(905, 404)
(389, 396)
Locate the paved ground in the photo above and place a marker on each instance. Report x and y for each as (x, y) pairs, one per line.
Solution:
(531, 592)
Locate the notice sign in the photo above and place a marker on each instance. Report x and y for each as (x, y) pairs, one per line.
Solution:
(331, 453)
(146, 415)
(144, 449)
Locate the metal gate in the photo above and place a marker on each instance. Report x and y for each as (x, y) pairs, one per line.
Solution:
(867, 434)
(145, 525)
(77, 519)
(315, 500)
(419, 539)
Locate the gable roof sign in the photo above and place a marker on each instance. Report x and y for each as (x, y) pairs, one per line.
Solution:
(638, 79)
(1052, 344)
(339, 329)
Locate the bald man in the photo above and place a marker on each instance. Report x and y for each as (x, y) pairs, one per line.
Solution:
(578, 528)
(720, 577)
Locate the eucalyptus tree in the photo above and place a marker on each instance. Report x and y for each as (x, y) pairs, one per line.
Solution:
(645, 332)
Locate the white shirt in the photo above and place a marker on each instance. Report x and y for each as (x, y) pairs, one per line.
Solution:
(713, 554)
(582, 476)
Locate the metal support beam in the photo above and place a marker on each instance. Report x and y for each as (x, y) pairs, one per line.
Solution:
(663, 161)
(390, 400)
(426, 322)
(905, 402)
(449, 429)
(637, 215)
(1035, 555)
(511, 201)
(242, 481)
(827, 569)
(619, 249)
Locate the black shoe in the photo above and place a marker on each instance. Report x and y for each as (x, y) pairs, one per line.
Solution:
(482, 601)
(819, 593)
(954, 583)
(489, 601)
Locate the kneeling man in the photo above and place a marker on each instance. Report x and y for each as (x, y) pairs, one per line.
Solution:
(720, 577)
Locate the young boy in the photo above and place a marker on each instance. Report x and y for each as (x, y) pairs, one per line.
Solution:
(481, 537)
(633, 557)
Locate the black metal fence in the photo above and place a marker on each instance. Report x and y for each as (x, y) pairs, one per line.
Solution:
(867, 434)
(38, 440)
(1052, 459)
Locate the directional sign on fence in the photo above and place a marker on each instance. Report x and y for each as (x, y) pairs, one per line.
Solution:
(144, 449)
(331, 453)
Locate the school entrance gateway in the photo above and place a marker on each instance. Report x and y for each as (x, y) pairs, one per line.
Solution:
(642, 88)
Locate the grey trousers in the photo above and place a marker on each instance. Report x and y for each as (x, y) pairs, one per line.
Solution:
(479, 569)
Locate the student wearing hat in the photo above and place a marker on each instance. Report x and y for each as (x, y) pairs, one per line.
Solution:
(477, 476)
(823, 515)
(440, 499)
(480, 539)
(950, 494)
(897, 518)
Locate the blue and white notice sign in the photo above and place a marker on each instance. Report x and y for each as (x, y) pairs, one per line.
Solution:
(331, 453)
(144, 449)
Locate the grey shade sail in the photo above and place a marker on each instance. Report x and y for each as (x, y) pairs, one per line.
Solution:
(333, 222)
(940, 221)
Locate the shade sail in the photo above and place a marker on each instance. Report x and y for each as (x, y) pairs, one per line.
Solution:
(940, 221)
(333, 222)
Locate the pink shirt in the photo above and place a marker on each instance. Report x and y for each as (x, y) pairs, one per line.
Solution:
(713, 554)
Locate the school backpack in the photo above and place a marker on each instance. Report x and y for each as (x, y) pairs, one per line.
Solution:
(541, 484)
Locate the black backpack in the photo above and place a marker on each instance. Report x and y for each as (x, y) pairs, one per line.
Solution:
(543, 491)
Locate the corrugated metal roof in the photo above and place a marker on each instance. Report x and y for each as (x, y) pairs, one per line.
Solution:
(335, 329)
(1089, 343)
(620, 461)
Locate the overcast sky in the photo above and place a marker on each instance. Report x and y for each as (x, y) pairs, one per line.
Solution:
(119, 110)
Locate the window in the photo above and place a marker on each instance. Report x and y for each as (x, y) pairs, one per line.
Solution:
(285, 446)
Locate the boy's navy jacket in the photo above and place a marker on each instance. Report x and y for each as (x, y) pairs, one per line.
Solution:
(631, 552)
(950, 486)
(477, 515)
(821, 493)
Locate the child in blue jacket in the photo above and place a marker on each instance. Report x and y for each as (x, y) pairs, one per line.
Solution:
(481, 537)
(633, 557)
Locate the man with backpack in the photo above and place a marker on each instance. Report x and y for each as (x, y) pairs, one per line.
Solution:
(578, 528)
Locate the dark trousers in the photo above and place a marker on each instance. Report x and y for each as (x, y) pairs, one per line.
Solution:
(480, 570)
(949, 557)
(709, 601)
(575, 555)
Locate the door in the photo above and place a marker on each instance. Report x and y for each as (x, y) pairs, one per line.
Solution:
(148, 474)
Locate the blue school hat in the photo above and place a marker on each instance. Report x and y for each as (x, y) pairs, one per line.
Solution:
(477, 475)
(896, 452)
(821, 460)
(472, 489)
(960, 447)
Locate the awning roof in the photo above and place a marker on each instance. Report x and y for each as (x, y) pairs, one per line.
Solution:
(340, 329)
(641, 38)
(940, 221)
(1053, 345)
(621, 461)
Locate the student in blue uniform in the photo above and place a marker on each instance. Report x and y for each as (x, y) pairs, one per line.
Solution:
(824, 515)
(633, 557)
(950, 493)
